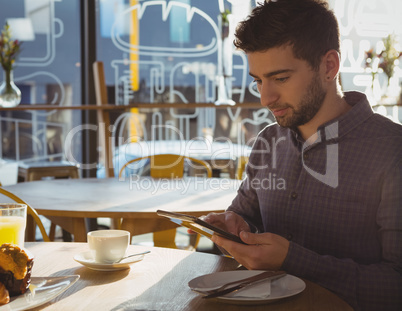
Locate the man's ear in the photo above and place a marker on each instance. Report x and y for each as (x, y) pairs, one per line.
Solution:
(330, 65)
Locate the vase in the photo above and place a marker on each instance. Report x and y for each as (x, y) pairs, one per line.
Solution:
(225, 31)
(10, 94)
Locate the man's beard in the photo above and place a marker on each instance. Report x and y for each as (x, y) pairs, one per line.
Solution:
(308, 107)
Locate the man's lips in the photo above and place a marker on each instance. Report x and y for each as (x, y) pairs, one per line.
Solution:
(279, 112)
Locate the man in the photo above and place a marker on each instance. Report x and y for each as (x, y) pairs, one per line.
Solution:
(322, 197)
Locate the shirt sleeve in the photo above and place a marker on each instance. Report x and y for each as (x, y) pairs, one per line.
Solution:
(376, 286)
(246, 203)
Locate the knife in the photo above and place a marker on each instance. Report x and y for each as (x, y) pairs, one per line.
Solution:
(243, 283)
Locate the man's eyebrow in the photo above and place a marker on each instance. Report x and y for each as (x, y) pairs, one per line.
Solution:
(273, 73)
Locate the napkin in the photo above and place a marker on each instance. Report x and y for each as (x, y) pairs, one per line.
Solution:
(261, 289)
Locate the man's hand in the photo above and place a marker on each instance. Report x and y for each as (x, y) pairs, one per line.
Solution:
(266, 251)
(228, 221)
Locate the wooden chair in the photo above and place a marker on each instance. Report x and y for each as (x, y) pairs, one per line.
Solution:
(106, 152)
(169, 166)
(163, 238)
(30, 213)
(37, 170)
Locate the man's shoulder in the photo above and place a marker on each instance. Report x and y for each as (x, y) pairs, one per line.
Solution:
(389, 124)
(381, 126)
(380, 136)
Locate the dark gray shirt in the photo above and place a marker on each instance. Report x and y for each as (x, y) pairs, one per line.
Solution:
(337, 199)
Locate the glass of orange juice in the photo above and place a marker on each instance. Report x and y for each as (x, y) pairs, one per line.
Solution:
(12, 223)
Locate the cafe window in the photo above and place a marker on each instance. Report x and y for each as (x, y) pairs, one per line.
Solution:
(179, 52)
(47, 71)
(363, 26)
(159, 53)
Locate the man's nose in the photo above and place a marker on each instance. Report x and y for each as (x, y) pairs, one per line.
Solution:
(268, 94)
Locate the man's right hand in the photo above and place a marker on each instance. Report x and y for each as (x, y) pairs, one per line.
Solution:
(228, 221)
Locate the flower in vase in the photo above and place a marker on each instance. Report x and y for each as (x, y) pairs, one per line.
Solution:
(225, 23)
(389, 56)
(9, 49)
(369, 62)
(385, 61)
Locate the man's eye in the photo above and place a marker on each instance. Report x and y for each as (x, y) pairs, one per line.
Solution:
(257, 81)
(284, 79)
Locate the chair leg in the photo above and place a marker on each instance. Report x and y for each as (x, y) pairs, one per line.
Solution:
(165, 238)
(116, 223)
(67, 237)
(52, 232)
(194, 240)
(30, 230)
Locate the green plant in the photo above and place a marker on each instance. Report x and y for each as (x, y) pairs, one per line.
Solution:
(224, 15)
(9, 49)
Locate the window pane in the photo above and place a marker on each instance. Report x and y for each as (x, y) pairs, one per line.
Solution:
(48, 72)
(177, 52)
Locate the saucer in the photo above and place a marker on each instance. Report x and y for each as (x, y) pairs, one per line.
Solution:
(87, 260)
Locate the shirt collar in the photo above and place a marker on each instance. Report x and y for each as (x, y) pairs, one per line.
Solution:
(360, 112)
(342, 125)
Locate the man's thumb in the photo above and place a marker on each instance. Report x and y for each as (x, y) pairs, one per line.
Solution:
(248, 237)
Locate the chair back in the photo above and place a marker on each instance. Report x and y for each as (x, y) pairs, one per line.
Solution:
(241, 166)
(168, 165)
(106, 156)
(30, 211)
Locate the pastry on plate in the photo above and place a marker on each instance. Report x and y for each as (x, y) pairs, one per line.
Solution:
(15, 270)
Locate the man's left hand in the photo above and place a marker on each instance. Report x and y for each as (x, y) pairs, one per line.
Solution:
(266, 251)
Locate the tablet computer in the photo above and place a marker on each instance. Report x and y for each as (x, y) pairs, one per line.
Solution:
(198, 225)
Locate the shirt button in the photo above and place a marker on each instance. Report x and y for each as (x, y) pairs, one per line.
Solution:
(290, 237)
(305, 156)
(293, 195)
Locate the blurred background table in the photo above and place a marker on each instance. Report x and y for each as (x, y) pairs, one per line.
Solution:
(67, 202)
(221, 155)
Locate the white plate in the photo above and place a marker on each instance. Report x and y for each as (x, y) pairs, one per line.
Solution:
(87, 260)
(41, 290)
(284, 287)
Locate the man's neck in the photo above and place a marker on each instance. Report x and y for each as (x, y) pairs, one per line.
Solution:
(333, 107)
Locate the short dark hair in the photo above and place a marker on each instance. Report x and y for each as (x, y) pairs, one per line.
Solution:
(309, 26)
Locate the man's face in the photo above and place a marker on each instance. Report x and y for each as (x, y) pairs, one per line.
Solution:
(287, 85)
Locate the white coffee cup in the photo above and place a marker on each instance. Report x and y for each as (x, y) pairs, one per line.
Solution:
(108, 246)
